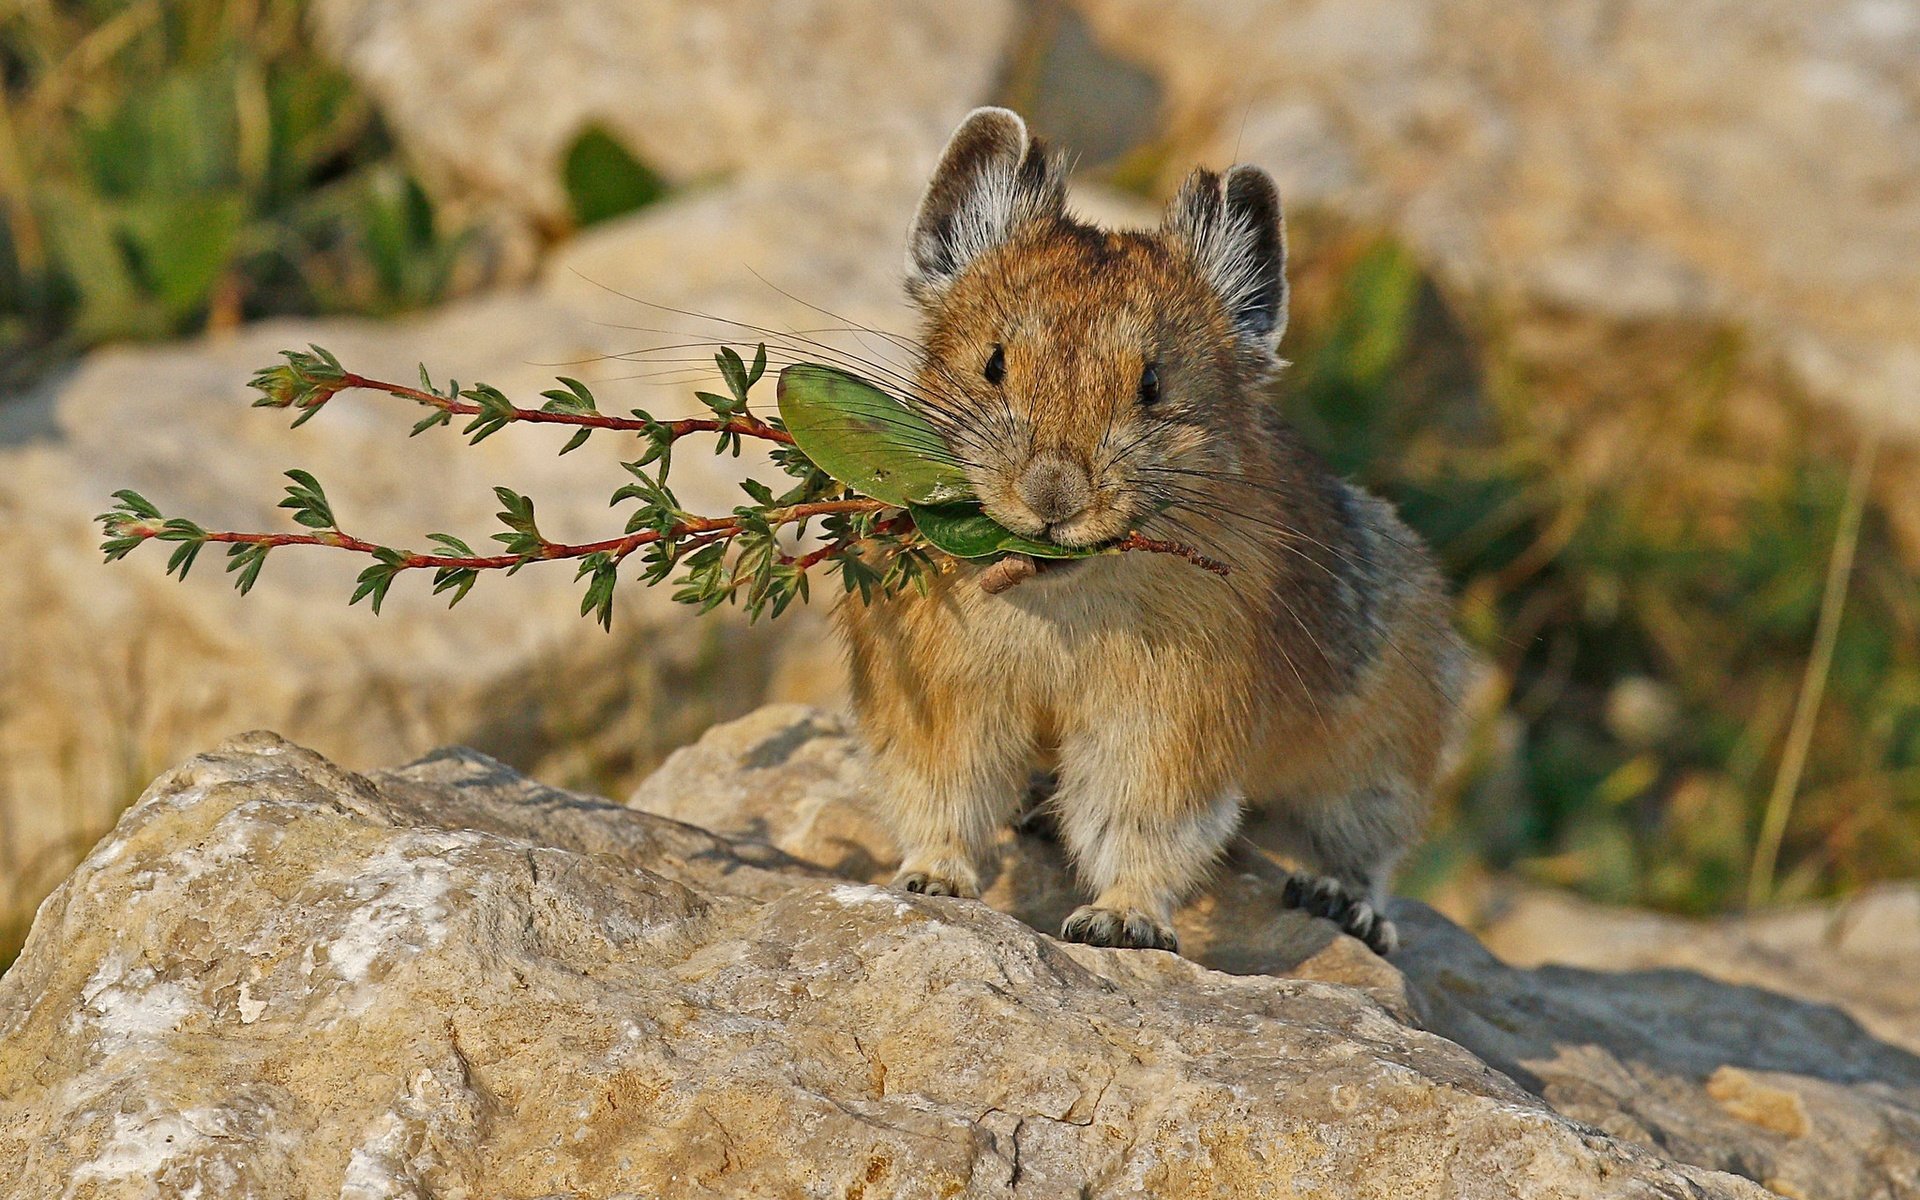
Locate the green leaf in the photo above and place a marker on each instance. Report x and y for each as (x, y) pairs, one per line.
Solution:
(437, 417)
(516, 513)
(868, 440)
(136, 505)
(599, 597)
(966, 531)
(307, 501)
(734, 370)
(572, 398)
(181, 561)
(460, 579)
(246, 558)
(376, 579)
(496, 412)
(179, 529)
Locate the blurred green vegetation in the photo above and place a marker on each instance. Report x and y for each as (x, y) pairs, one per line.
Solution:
(166, 165)
(1640, 553)
(604, 180)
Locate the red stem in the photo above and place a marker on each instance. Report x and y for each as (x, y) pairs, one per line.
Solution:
(1136, 541)
(747, 426)
(620, 547)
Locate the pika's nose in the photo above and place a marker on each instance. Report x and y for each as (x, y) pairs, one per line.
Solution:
(1056, 489)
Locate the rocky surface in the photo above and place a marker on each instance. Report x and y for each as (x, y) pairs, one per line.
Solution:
(1740, 1062)
(489, 94)
(1732, 160)
(1858, 955)
(280, 978)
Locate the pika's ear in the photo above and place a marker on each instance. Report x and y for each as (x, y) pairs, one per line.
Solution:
(1237, 235)
(992, 178)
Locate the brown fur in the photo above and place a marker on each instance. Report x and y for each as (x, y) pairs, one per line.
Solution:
(1315, 682)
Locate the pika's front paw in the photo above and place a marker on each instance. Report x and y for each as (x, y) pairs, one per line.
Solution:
(1128, 929)
(1327, 897)
(931, 883)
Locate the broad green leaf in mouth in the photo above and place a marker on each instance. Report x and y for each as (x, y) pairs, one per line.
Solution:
(964, 530)
(879, 447)
(868, 440)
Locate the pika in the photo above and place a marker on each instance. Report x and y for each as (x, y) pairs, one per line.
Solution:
(1093, 383)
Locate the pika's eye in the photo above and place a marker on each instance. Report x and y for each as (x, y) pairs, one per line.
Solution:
(997, 365)
(1150, 385)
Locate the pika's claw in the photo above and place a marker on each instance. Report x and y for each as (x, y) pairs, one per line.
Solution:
(1327, 897)
(1128, 930)
(926, 883)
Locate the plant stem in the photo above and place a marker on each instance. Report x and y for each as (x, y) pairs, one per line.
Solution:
(1793, 760)
(746, 426)
(1136, 541)
(704, 528)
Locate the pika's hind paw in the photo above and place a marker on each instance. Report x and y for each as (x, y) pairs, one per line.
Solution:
(1130, 929)
(1037, 818)
(1327, 897)
(928, 883)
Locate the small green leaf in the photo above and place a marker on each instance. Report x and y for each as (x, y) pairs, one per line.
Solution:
(179, 529)
(496, 412)
(460, 579)
(181, 561)
(136, 505)
(516, 513)
(437, 417)
(246, 558)
(734, 371)
(599, 597)
(376, 579)
(573, 397)
(307, 501)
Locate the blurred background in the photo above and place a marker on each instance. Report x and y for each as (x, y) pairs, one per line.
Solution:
(1618, 301)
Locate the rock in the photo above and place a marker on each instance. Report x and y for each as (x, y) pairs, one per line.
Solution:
(487, 95)
(1794, 1094)
(1720, 1065)
(1858, 955)
(280, 978)
(1749, 162)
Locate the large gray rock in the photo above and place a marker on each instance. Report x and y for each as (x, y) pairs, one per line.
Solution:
(1752, 160)
(1859, 955)
(1700, 1065)
(487, 95)
(277, 978)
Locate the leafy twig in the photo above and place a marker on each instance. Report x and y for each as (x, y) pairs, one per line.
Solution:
(735, 558)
